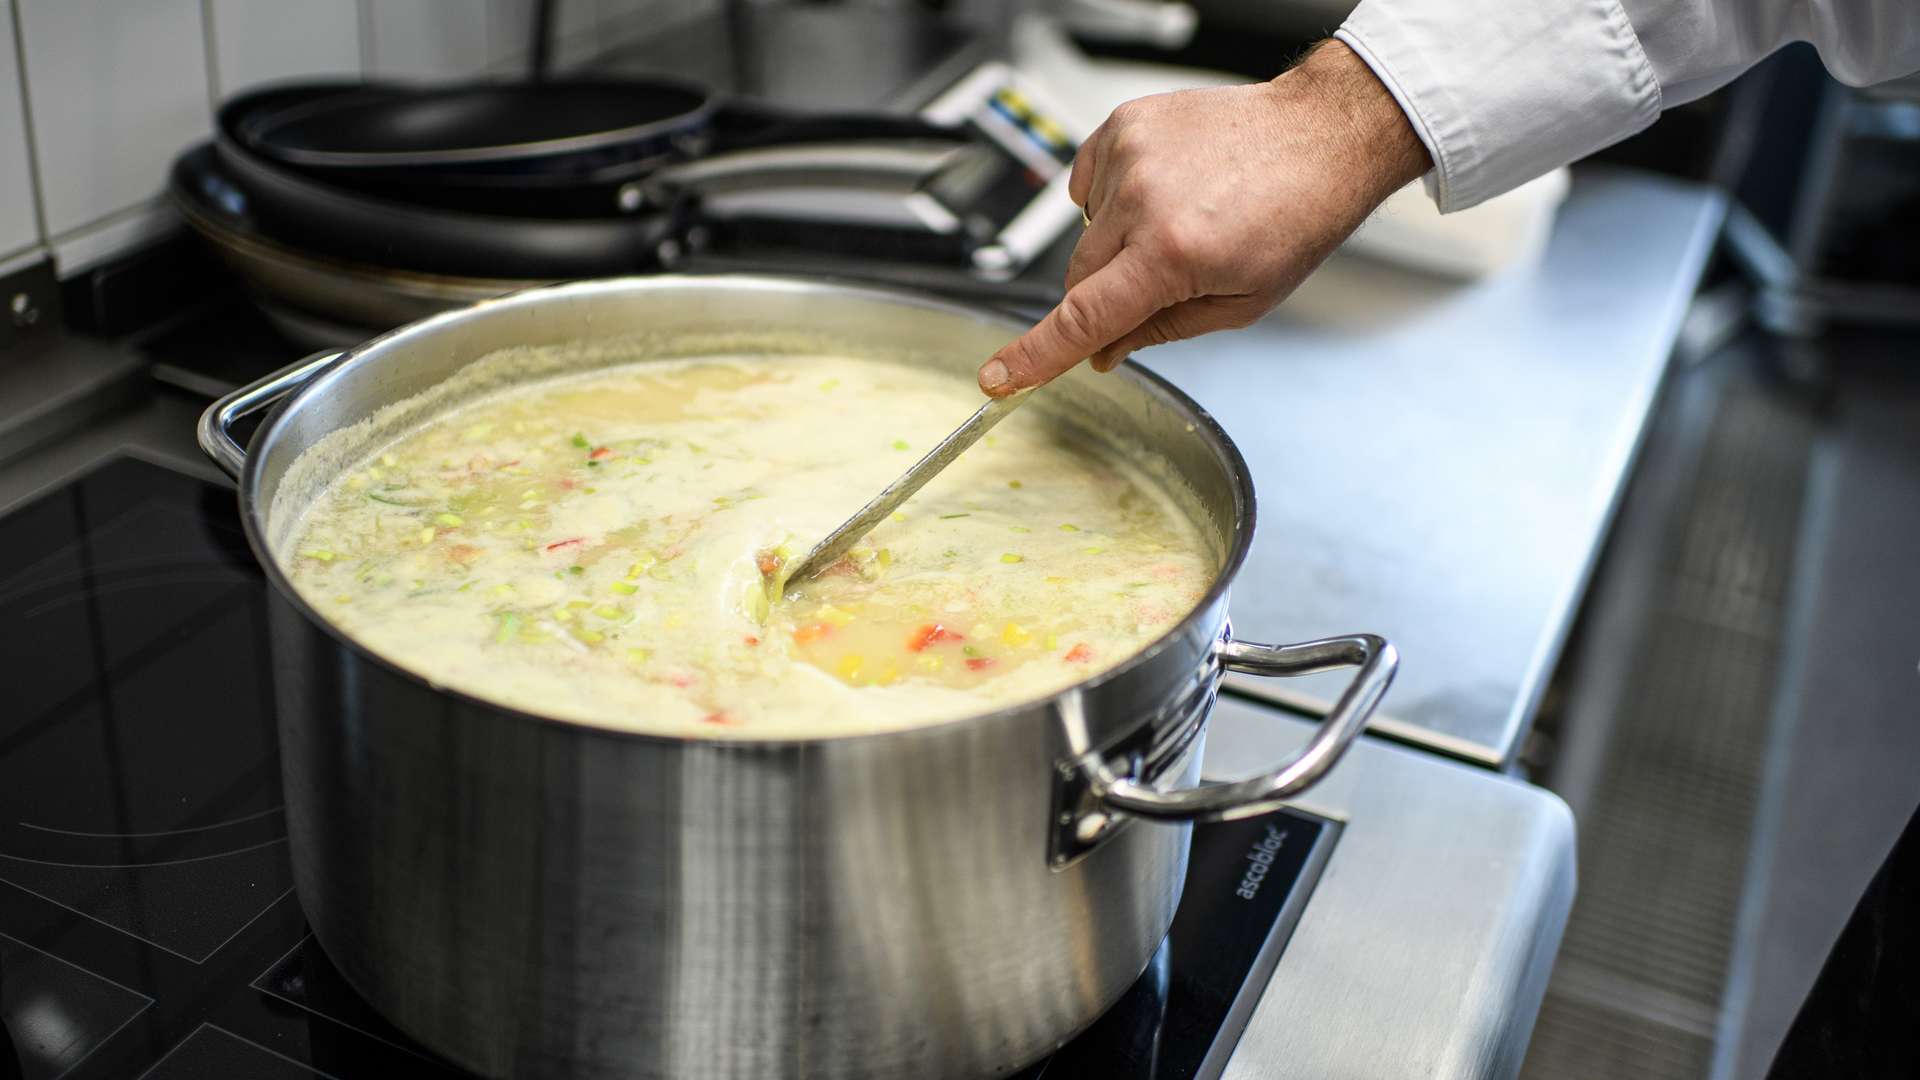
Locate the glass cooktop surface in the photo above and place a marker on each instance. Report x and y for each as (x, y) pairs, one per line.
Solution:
(148, 925)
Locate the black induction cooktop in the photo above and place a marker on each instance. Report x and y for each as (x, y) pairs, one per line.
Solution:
(148, 925)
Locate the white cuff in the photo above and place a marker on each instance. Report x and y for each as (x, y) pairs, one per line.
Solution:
(1502, 92)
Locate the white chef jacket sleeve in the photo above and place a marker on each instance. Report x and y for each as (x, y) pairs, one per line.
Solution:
(1502, 91)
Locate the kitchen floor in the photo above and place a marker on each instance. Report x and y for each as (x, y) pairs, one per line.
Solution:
(1733, 724)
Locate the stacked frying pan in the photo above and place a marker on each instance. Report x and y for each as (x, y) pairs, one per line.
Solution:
(350, 206)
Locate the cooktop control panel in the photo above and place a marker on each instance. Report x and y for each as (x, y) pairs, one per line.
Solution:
(1014, 193)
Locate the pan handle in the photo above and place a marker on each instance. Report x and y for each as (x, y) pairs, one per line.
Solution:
(216, 424)
(1374, 656)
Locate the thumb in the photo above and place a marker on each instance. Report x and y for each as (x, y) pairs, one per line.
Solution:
(1105, 305)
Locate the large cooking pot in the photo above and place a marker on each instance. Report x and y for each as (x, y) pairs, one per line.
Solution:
(532, 896)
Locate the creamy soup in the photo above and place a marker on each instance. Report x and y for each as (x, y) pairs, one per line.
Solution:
(610, 548)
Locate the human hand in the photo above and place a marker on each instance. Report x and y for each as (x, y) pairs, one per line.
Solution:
(1209, 206)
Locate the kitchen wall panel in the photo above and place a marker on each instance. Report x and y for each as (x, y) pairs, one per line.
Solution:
(19, 222)
(425, 39)
(113, 91)
(259, 41)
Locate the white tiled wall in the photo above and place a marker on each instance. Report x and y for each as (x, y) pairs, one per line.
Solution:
(425, 38)
(114, 90)
(258, 41)
(18, 228)
(97, 96)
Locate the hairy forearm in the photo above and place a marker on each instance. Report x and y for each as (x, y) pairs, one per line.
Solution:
(1366, 129)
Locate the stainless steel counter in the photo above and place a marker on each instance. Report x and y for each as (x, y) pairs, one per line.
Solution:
(1439, 462)
(1425, 949)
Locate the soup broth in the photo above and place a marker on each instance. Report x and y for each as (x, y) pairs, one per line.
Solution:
(609, 548)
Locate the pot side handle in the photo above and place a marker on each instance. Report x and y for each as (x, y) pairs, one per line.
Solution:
(216, 424)
(1373, 655)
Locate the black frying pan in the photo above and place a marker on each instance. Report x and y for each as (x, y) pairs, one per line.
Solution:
(514, 127)
(341, 223)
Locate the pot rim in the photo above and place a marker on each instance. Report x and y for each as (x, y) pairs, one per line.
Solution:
(252, 514)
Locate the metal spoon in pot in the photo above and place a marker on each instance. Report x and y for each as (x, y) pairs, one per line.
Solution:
(828, 551)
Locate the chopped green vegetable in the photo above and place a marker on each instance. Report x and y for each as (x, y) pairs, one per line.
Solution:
(608, 611)
(1069, 528)
(1010, 557)
(625, 588)
(1020, 528)
(379, 498)
(969, 650)
(1094, 550)
(508, 628)
(1014, 484)
(900, 444)
(950, 517)
(576, 569)
(451, 521)
(318, 553)
(580, 441)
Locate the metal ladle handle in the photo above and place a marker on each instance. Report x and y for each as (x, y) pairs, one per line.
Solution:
(1377, 661)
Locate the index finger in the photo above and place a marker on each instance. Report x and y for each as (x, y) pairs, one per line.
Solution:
(1095, 313)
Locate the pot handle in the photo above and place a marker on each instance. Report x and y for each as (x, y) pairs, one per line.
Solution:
(1373, 655)
(216, 424)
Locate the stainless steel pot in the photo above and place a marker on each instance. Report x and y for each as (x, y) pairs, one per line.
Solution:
(536, 897)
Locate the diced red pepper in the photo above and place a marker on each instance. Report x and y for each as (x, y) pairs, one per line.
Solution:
(811, 632)
(463, 553)
(981, 663)
(1079, 654)
(768, 563)
(720, 716)
(558, 544)
(751, 640)
(931, 634)
(681, 681)
(600, 453)
(568, 483)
